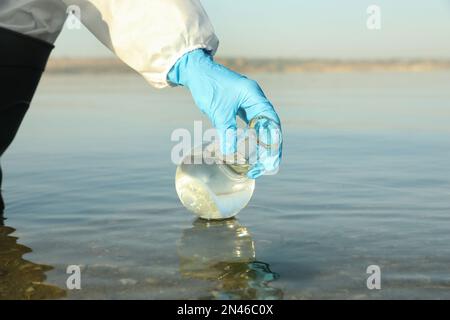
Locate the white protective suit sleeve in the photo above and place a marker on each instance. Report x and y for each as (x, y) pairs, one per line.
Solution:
(148, 35)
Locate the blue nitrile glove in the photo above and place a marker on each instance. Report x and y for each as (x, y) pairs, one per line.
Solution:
(222, 95)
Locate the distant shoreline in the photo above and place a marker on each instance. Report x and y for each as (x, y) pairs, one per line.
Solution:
(111, 65)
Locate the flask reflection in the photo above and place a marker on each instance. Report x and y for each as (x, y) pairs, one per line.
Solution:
(224, 252)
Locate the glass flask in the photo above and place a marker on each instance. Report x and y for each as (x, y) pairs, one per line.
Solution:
(213, 187)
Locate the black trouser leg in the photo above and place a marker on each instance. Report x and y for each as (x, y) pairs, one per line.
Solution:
(2, 204)
(10, 120)
(22, 61)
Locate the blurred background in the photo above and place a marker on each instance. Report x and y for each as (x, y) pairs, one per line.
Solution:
(311, 30)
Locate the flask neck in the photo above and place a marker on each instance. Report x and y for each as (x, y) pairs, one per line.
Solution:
(240, 169)
(261, 137)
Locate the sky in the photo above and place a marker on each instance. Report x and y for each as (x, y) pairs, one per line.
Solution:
(311, 29)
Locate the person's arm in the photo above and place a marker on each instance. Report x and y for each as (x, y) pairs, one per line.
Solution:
(40, 19)
(149, 35)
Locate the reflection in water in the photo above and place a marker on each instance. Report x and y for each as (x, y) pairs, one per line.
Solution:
(224, 251)
(19, 278)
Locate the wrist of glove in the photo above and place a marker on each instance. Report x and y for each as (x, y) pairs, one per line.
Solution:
(221, 94)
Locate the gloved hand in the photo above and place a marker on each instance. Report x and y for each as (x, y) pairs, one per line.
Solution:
(222, 95)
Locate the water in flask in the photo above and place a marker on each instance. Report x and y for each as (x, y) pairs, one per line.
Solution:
(213, 189)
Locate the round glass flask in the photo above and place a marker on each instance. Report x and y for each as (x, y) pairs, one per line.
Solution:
(216, 189)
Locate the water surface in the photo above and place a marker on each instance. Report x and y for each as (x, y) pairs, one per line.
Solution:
(365, 180)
